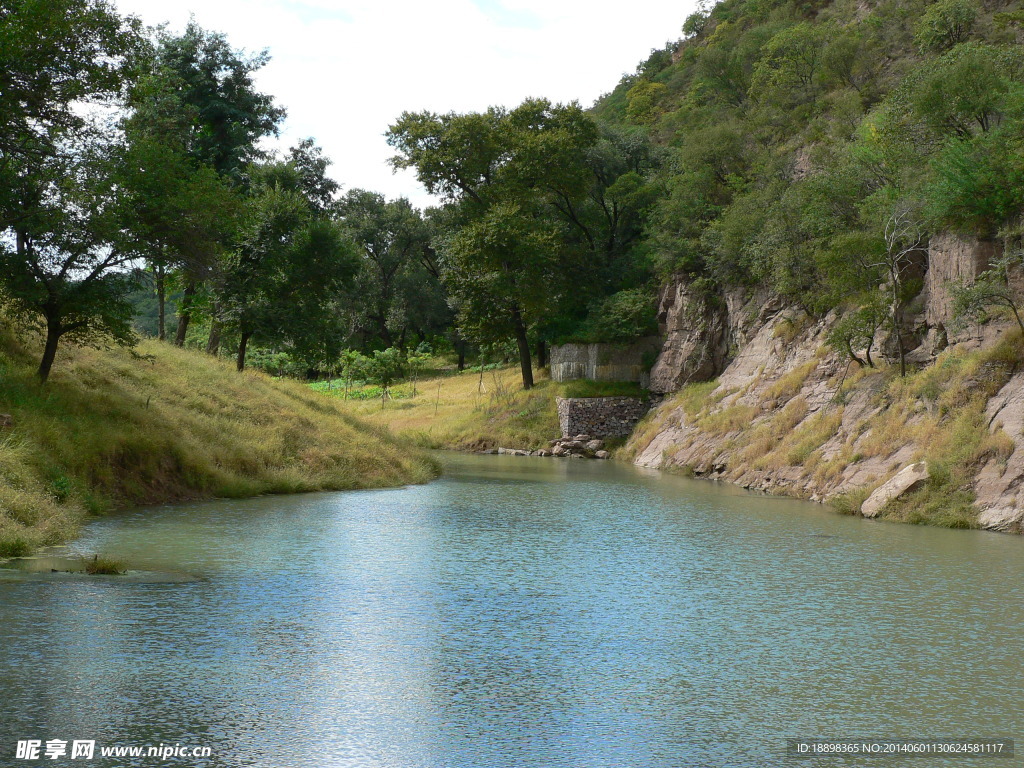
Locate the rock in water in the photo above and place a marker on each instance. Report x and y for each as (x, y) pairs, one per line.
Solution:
(906, 479)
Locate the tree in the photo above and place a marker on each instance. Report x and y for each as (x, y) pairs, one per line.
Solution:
(945, 24)
(287, 265)
(63, 262)
(399, 285)
(498, 171)
(226, 115)
(501, 270)
(68, 266)
(384, 368)
(903, 237)
(179, 212)
(992, 288)
(857, 329)
(57, 57)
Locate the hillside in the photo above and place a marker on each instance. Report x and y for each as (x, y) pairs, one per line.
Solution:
(838, 234)
(112, 429)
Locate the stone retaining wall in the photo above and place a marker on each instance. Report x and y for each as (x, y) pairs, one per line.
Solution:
(600, 416)
(605, 362)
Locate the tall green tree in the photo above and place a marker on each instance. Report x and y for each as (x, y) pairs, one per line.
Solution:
(287, 265)
(500, 270)
(399, 289)
(227, 117)
(63, 260)
(502, 170)
(68, 269)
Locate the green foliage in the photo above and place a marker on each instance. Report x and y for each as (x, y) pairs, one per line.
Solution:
(384, 368)
(623, 316)
(945, 24)
(105, 566)
(290, 261)
(643, 99)
(215, 85)
(397, 287)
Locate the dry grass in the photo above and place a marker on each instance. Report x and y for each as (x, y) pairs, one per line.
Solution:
(938, 411)
(111, 430)
(462, 412)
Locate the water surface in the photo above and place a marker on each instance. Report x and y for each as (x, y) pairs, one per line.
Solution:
(517, 612)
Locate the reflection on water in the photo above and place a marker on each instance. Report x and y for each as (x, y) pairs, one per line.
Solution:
(518, 612)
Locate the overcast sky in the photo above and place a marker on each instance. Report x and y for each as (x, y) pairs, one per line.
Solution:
(346, 69)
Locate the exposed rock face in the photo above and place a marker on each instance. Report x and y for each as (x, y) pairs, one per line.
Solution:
(778, 383)
(906, 479)
(1000, 498)
(599, 416)
(696, 340)
(952, 259)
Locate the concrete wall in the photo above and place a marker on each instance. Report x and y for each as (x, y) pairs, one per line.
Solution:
(604, 362)
(600, 416)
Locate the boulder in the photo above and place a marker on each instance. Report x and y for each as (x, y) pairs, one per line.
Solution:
(582, 438)
(602, 455)
(559, 450)
(595, 445)
(6, 421)
(906, 479)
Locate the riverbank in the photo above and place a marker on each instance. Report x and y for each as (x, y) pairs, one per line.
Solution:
(791, 416)
(464, 411)
(117, 428)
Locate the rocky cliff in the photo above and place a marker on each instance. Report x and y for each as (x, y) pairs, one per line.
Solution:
(762, 401)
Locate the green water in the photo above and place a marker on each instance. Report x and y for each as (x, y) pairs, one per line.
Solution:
(517, 612)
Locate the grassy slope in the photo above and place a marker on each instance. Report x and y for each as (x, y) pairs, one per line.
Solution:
(461, 416)
(112, 430)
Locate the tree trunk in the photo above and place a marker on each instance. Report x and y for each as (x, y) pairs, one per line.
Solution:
(53, 334)
(524, 347)
(460, 346)
(853, 355)
(542, 353)
(213, 342)
(161, 303)
(241, 350)
(185, 313)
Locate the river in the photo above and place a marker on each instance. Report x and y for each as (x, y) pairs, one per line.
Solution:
(517, 612)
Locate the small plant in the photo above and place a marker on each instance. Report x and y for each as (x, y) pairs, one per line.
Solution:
(105, 566)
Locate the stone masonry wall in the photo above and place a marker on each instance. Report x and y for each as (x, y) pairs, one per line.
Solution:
(604, 362)
(600, 416)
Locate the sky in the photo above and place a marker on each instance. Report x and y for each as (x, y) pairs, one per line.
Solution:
(346, 69)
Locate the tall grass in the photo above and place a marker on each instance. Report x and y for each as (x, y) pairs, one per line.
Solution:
(115, 428)
(467, 412)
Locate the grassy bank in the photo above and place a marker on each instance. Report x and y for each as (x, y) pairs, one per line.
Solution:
(112, 429)
(462, 411)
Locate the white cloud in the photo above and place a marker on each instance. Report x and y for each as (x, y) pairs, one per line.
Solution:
(345, 69)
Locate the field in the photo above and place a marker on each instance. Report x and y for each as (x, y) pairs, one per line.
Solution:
(463, 411)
